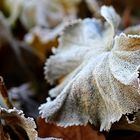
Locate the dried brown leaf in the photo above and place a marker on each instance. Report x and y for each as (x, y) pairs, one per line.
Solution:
(70, 133)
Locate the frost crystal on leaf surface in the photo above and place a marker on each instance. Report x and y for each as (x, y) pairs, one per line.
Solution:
(100, 74)
(14, 125)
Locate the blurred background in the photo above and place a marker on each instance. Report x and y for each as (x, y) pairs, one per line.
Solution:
(29, 29)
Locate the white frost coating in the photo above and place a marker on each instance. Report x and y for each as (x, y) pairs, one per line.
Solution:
(93, 6)
(73, 48)
(101, 74)
(111, 17)
(134, 30)
(46, 13)
(27, 124)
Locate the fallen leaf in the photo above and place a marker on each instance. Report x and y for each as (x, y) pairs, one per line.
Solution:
(134, 30)
(13, 125)
(44, 39)
(50, 138)
(100, 70)
(44, 13)
(22, 98)
(69, 133)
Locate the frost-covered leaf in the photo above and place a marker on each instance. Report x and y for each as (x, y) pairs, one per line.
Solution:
(14, 125)
(14, 9)
(5, 34)
(93, 6)
(21, 98)
(44, 34)
(44, 13)
(43, 39)
(111, 17)
(76, 44)
(101, 74)
(135, 30)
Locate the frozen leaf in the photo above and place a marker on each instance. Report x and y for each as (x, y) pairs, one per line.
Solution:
(21, 98)
(111, 16)
(49, 13)
(44, 13)
(102, 74)
(74, 45)
(14, 125)
(133, 30)
(14, 9)
(43, 39)
(44, 34)
(93, 6)
(5, 34)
